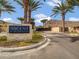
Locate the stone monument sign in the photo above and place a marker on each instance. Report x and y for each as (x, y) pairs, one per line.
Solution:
(19, 32)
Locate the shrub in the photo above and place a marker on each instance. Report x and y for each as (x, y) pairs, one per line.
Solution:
(36, 38)
(3, 38)
(23, 43)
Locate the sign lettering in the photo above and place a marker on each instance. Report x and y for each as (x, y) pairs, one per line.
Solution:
(19, 29)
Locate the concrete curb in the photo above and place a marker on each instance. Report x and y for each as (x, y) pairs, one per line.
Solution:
(2, 49)
(6, 55)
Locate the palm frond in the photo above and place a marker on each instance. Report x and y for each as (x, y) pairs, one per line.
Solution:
(64, 7)
(5, 6)
(20, 2)
(33, 4)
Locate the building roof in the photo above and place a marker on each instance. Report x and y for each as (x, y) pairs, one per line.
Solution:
(58, 23)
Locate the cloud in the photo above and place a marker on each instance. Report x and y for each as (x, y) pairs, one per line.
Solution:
(56, 1)
(40, 17)
(10, 20)
(73, 19)
(7, 19)
(53, 3)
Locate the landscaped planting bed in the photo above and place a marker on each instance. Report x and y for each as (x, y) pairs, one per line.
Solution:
(73, 34)
(37, 37)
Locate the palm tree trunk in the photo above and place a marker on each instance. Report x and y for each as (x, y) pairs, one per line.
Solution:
(21, 22)
(30, 15)
(30, 20)
(26, 11)
(63, 22)
(0, 14)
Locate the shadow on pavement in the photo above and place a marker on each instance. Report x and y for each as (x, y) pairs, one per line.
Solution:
(74, 39)
(63, 36)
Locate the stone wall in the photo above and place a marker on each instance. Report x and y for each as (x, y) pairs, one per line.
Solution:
(19, 36)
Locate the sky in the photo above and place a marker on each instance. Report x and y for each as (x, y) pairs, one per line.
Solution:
(42, 13)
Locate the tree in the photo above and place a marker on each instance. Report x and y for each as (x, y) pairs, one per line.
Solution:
(29, 6)
(32, 21)
(62, 8)
(43, 21)
(25, 5)
(5, 6)
(73, 2)
(34, 5)
(21, 19)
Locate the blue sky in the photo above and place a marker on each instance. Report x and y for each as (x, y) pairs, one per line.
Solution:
(43, 13)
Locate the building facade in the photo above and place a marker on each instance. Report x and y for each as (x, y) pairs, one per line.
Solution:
(56, 26)
(3, 26)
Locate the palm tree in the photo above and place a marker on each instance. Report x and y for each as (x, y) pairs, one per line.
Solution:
(26, 11)
(25, 5)
(43, 21)
(73, 2)
(62, 8)
(32, 21)
(34, 5)
(5, 7)
(29, 6)
(21, 19)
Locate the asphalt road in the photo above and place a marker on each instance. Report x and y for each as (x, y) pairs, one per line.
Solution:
(64, 46)
(60, 47)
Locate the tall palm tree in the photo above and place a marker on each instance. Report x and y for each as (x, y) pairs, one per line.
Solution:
(26, 11)
(5, 6)
(29, 6)
(62, 8)
(25, 5)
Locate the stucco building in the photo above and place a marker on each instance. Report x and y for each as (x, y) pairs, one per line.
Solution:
(56, 26)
